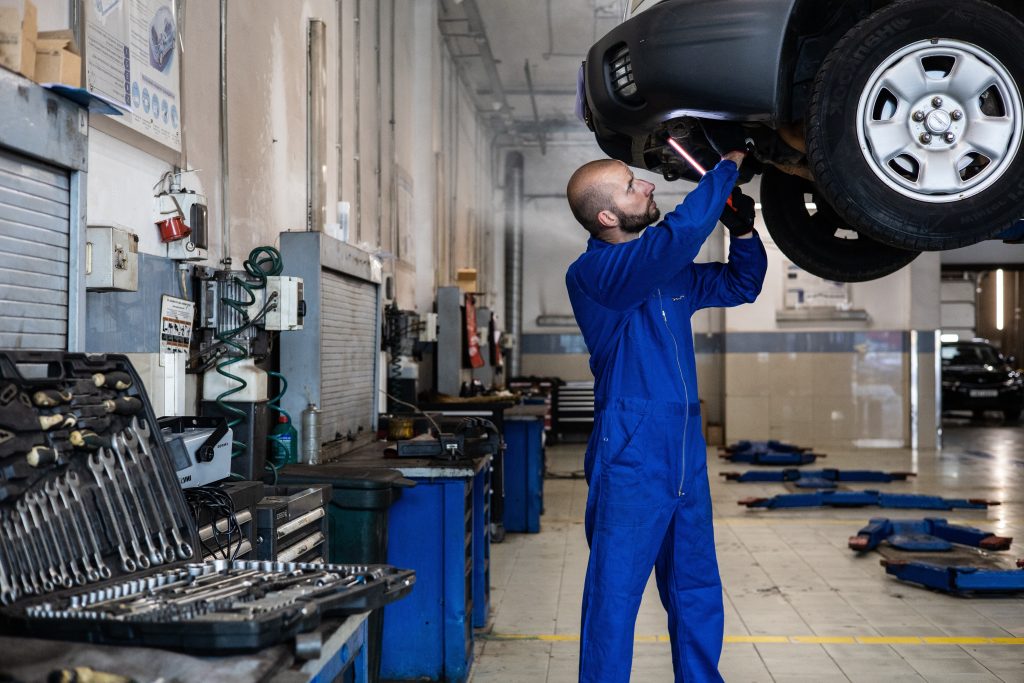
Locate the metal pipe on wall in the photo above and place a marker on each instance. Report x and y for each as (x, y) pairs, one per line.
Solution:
(225, 224)
(316, 126)
(514, 257)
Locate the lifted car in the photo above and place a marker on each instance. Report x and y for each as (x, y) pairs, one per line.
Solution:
(880, 128)
(976, 377)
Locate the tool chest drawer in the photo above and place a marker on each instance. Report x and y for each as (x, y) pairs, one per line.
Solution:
(292, 523)
(96, 540)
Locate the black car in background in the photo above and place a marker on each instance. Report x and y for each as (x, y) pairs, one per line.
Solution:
(880, 128)
(976, 377)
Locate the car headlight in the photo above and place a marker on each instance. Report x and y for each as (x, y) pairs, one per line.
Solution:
(1013, 382)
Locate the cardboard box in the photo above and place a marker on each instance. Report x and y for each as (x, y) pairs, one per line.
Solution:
(18, 33)
(56, 61)
(465, 278)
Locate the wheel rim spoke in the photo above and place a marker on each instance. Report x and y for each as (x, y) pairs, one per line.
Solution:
(939, 174)
(969, 78)
(990, 136)
(907, 79)
(888, 139)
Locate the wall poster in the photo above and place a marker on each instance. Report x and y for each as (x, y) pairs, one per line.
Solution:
(132, 56)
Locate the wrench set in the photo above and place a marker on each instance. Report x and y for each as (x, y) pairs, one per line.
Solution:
(97, 542)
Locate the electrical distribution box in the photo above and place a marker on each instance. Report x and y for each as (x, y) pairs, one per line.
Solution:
(290, 309)
(111, 259)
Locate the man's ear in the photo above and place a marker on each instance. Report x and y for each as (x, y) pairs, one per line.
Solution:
(607, 219)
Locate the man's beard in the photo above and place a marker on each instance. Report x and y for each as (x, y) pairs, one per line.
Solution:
(635, 223)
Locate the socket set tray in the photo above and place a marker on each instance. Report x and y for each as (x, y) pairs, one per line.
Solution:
(97, 543)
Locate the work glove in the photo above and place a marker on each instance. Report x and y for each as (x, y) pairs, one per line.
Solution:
(738, 218)
(726, 136)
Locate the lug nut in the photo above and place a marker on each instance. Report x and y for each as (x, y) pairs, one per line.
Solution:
(919, 115)
(949, 137)
(957, 115)
(926, 138)
(936, 102)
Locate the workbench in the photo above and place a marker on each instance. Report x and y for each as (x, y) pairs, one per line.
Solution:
(343, 650)
(441, 529)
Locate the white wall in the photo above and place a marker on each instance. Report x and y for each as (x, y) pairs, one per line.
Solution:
(405, 145)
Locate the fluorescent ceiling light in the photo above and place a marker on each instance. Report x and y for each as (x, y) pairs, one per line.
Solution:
(999, 300)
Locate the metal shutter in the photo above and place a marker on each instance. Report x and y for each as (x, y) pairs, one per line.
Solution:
(348, 339)
(34, 254)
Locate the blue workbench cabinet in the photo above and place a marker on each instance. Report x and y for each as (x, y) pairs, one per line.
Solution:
(440, 529)
(524, 473)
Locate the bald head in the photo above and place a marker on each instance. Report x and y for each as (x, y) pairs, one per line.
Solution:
(590, 191)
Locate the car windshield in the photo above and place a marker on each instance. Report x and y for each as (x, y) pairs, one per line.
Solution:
(972, 354)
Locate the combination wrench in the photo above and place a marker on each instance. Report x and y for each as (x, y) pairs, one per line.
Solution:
(46, 580)
(29, 582)
(155, 557)
(138, 432)
(8, 575)
(105, 459)
(146, 496)
(68, 490)
(96, 467)
(60, 513)
(44, 522)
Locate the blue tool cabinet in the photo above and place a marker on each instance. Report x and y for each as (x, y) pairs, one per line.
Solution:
(524, 472)
(440, 528)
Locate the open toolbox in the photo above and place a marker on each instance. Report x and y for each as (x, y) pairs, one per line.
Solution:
(96, 541)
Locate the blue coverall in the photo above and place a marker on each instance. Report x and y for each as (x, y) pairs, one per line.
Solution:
(649, 503)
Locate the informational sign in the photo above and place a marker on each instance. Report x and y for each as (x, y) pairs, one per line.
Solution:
(804, 290)
(176, 317)
(132, 57)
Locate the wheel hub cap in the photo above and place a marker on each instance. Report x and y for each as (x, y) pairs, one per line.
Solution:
(938, 121)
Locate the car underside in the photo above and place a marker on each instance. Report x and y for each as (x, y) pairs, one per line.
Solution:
(878, 129)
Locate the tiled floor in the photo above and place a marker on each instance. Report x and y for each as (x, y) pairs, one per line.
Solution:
(800, 606)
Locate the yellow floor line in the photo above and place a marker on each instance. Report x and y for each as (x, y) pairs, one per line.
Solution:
(787, 640)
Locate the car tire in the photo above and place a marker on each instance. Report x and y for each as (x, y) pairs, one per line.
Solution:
(821, 242)
(1011, 416)
(955, 175)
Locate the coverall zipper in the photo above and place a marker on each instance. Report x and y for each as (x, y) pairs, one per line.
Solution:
(686, 393)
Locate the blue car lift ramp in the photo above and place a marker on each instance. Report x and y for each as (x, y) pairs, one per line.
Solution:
(930, 534)
(746, 446)
(772, 457)
(958, 579)
(864, 499)
(816, 479)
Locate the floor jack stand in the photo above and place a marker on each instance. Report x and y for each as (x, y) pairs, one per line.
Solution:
(924, 535)
(769, 453)
(865, 499)
(816, 479)
(958, 580)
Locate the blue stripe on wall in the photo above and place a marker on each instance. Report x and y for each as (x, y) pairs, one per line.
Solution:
(129, 322)
(891, 341)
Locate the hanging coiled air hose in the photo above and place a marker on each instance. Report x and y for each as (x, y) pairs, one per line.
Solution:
(275, 405)
(262, 263)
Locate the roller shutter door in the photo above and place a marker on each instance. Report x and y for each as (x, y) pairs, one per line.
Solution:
(348, 340)
(34, 252)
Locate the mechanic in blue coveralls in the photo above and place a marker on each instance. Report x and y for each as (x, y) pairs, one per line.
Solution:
(646, 463)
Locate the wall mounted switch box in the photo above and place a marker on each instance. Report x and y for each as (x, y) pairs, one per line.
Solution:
(290, 309)
(111, 259)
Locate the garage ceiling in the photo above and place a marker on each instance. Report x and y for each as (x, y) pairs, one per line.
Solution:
(551, 36)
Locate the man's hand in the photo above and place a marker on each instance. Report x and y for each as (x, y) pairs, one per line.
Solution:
(739, 218)
(735, 157)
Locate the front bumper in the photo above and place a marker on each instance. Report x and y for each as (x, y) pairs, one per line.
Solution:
(960, 398)
(718, 59)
